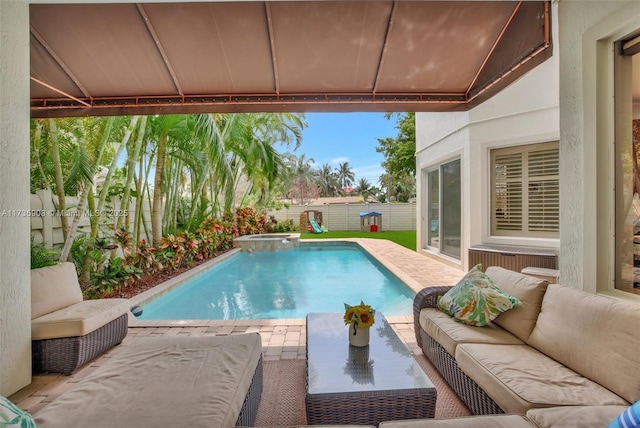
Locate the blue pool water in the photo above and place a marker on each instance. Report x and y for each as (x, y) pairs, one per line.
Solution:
(285, 284)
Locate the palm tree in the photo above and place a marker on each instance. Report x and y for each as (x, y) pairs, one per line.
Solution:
(163, 129)
(364, 188)
(241, 148)
(301, 182)
(327, 180)
(345, 175)
(80, 176)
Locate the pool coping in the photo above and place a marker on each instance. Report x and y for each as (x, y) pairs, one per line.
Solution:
(169, 285)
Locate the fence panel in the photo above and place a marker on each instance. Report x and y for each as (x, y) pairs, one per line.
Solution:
(47, 226)
(396, 216)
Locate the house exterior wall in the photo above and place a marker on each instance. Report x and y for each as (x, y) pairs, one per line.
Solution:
(15, 290)
(587, 115)
(526, 112)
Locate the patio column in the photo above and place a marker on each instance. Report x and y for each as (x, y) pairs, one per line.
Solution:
(15, 289)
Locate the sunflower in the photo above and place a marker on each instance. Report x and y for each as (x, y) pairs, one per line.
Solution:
(361, 315)
(349, 314)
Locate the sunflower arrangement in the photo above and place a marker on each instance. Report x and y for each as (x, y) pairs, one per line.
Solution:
(362, 316)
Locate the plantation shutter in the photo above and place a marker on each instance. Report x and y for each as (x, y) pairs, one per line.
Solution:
(544, 191)
(508, 192)
(526, 194)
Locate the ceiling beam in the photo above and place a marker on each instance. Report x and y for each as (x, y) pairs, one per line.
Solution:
(272, 44)
(384, 46)
(156, 39)
(493, 48)
(60, 91)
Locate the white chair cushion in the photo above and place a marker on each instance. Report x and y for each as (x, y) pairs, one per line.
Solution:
(78, 319)
(53, 288)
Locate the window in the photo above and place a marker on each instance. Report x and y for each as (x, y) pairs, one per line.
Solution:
(627, 150)
(526, 192)
(443, 229)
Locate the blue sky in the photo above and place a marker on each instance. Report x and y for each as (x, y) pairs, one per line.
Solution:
(334, 138)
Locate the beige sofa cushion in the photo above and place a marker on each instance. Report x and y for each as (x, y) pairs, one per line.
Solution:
(78, 319)
(518, 378)
(162, 382)
(529, 290)
(449, 333)
(487, 421)
(575, 416)
(53, 288)
(594, 335)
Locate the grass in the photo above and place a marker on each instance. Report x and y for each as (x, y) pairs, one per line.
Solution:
(406, 238)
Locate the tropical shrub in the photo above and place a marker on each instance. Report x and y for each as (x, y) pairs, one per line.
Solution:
(248, 222)
(41, 256)
(113, 274)
(283, 226)
(176, 250)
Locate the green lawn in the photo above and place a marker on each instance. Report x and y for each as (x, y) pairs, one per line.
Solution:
(406, 238)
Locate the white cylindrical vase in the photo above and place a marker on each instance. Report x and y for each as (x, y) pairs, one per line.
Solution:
(358, 336)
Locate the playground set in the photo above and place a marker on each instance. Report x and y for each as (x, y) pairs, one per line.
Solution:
(371, 221)
(311, 221)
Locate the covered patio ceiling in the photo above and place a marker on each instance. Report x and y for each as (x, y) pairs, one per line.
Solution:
(278, 56)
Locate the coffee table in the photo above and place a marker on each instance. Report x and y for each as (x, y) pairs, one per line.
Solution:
(349, 385)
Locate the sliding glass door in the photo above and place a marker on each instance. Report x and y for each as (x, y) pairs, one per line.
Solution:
(443, 209)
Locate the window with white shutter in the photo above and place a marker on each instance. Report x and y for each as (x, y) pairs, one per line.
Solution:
(526, 191)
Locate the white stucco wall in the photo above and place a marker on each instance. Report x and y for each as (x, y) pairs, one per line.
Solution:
(588, 30)
(526, 112)
(15, 290)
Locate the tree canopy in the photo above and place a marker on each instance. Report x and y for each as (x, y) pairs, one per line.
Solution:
(400, 152)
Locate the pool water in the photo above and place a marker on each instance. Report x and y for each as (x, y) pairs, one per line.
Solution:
(285, 284)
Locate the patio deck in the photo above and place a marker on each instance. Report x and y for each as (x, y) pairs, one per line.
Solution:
(282, 339)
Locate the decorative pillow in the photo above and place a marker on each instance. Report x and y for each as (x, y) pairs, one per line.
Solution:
(12, 416)
(630, 418)
(476, 300)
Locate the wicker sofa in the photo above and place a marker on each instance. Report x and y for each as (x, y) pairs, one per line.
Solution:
(67, 331)
(563, 350)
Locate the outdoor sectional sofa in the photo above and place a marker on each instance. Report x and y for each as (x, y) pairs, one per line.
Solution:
(67, 331)
(563, 355)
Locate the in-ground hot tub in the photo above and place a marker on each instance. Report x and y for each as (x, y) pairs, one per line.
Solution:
(268, 242)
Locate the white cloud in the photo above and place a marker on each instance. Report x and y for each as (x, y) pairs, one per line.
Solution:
(336, 161)
(370, 172)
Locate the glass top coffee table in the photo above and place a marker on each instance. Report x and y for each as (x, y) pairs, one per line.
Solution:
(349, 385)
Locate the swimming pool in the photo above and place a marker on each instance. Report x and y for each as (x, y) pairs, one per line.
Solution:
(285, 284)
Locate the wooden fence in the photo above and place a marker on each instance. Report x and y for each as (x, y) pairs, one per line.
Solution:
(395, 216)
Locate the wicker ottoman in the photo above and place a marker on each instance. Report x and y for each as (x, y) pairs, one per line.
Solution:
(213, 381)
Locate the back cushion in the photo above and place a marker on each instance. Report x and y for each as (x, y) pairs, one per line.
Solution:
(529, 290)
(53, 288)
(594, 335)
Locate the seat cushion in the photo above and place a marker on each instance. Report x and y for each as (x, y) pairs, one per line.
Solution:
(594, 335)
(487, 421)
(449, 333)
(78, 319)
(529, 290)
(518, 378)
(162, 382)
(575, 416)
(53, 288)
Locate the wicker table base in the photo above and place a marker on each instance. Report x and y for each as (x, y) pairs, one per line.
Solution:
(347, 385)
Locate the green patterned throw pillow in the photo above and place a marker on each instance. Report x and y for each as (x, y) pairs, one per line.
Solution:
(476, 300)
(12, 416)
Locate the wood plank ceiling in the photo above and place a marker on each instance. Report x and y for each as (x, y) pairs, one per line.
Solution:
(379, 55)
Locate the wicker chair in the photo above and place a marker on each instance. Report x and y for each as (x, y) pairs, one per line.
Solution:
(67, 331)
